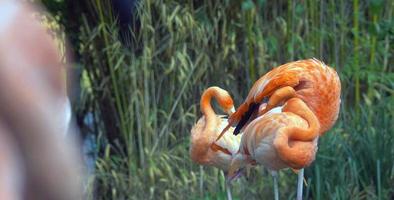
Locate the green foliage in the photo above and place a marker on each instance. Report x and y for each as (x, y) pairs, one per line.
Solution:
(145, 97)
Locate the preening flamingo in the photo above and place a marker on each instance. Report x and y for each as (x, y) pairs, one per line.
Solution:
(203, 150)
(303, 103)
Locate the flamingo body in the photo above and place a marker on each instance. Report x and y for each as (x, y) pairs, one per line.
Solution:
(218, 155)
(314, 82)
(204, 150)
(303, 103)
(258, 142)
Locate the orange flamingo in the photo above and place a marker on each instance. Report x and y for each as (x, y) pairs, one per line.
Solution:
(203, 149)
(303, 103)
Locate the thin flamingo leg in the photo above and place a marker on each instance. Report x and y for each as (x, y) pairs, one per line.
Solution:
(276, 189)
(228, 190)
(300, 184)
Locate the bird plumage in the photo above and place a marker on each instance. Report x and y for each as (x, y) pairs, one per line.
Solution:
(204, 150)
(304, 98)
(313, 81)
(263, 137)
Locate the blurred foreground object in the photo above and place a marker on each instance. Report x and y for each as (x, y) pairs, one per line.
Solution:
(37, 161)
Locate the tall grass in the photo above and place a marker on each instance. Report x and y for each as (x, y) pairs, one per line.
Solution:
(145, 95)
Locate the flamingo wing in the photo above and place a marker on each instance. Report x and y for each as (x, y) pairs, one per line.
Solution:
(282, 76)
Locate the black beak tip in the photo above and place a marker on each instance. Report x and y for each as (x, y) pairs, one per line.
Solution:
(236, 131)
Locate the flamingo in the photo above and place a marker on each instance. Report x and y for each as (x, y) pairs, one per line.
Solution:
(203, 134)
(303, 103)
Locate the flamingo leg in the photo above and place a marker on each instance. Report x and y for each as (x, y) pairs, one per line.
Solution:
(201, 180)
(276, 190)
(228, 191)
(300, 183)
(278, 97)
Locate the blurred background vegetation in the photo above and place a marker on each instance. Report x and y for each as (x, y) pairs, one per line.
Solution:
(141, 74)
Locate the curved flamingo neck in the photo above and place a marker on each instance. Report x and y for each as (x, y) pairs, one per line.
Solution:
(221, 96)
(206, 108)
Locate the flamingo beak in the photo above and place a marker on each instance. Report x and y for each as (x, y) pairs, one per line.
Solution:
(235, 175)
